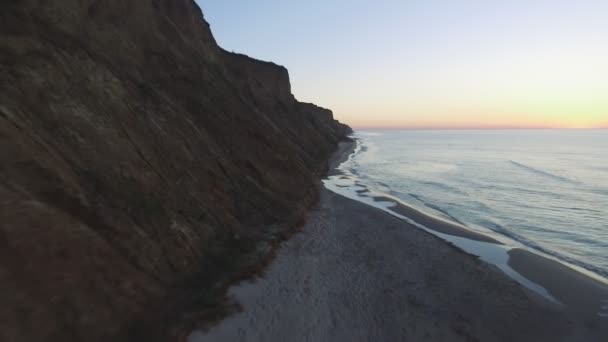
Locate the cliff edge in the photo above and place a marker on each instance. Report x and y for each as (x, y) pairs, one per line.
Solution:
(135, 154)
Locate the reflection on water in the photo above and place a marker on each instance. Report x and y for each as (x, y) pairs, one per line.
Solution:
(544, 189)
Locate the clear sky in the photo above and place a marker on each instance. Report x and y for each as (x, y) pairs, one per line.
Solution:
(432, 63)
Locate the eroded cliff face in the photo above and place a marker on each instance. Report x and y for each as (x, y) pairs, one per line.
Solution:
(134, 153)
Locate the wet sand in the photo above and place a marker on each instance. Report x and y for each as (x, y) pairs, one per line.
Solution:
(357, 273)
(345, 148)
(435, 223)
(584, 296)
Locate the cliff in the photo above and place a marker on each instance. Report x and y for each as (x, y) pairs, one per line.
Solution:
(136, 155)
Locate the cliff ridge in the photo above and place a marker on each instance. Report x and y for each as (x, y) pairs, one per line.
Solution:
(136, 153)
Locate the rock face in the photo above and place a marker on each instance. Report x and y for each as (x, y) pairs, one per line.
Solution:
(134, 151)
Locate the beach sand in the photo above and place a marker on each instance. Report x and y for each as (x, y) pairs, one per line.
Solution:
(357, 273)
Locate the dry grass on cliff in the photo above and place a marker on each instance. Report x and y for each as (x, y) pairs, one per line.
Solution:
(202, 300)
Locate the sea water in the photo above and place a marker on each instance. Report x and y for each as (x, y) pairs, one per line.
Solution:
(544, 189)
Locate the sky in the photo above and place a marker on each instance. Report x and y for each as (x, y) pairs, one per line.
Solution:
(432, 63)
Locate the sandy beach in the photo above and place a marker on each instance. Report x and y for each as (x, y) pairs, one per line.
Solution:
(357, 273)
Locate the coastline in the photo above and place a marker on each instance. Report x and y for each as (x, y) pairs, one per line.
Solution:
(581, 294)
(355, 272)
(436, 224)
(344, 151)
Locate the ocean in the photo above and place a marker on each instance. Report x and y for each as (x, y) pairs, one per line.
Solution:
(544, 190)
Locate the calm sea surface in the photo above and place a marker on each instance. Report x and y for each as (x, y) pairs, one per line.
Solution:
(546, 189)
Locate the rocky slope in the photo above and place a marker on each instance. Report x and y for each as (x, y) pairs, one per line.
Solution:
(135, 153)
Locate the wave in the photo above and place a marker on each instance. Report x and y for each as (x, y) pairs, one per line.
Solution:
(510, 234)
(488, 224)
(436, 208)
(599, 191)
(535, 246)
(381, 187)
(369, 134)
(443, 186)
(544, 173)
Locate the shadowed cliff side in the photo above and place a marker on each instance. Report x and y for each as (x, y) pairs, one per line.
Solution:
(134, 153)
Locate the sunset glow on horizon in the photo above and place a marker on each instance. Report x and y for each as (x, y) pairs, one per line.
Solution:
(433, 64)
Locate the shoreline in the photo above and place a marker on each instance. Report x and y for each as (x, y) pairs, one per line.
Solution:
(353, 269)
(436, 224)
(346, 149)
(553, 280)
(342, 154)
(560, 284)
(580, 293)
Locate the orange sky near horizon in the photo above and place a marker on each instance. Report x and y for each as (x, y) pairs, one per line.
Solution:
(468, 120)
(528, 87)
(479, 121)
(519, 90)
(541, 115)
